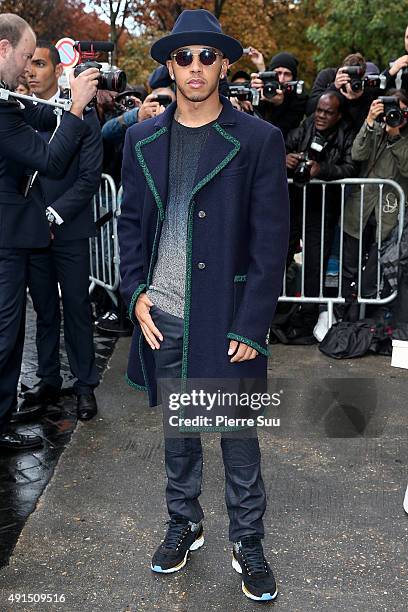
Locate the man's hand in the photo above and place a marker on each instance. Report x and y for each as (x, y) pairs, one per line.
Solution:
(292, 160)
(342, 78)
(376, 109)
(278, 98)
(235, 103)
(342, 83)
(83, 89)
(142, 312)
(246, 106)
(244, 352)
(150, 108)
(257, 59)
(314, 168)
(257, 83)
(401, 62)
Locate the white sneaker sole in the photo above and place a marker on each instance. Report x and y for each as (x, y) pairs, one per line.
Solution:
(195, 546)
(264, 597)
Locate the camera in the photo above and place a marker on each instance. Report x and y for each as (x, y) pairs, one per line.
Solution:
(129, 102)
(163, 100)
(356, 74)
(271, 84)
(301, 175)
(125, 102)
(243, 92)
(393, 115)
(111, 79)
(358, 81)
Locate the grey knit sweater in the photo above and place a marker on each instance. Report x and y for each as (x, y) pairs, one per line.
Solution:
(166, 290)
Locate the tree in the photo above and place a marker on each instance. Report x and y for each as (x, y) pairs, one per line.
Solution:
(53, 19)
(136, 60)
(374, 28)
(47, 18)
(119, 13)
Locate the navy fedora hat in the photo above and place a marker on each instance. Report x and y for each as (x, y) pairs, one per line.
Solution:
(196, 27)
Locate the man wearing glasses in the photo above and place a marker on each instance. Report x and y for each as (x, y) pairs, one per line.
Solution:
(203, 237)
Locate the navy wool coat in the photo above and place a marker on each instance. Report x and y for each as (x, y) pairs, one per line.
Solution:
(238, 225)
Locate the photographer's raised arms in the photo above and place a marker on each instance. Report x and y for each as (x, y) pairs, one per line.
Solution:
(23, 220)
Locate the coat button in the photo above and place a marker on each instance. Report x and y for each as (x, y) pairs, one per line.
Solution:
(201, 265)
(201, 214)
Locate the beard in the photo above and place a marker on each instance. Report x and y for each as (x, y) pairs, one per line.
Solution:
(196, 96)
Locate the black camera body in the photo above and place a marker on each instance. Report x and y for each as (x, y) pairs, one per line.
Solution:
(301, 175)
(243, 92)
(356, 74)
(359, 81)
(112, 79)
(271, 84)
(393, 115)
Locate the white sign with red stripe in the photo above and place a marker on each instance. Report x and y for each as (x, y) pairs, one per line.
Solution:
(68, 55)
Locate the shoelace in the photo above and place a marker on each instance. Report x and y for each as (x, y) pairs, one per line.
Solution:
(176, 532)
(252, 553)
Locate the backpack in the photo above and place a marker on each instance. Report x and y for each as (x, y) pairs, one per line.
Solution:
(346, 340)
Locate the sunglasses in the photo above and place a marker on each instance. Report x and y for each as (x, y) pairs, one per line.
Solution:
(184, 57)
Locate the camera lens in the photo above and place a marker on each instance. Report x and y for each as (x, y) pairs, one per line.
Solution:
(356, 85)
(394, 117)
(113, 80)
(270, 89)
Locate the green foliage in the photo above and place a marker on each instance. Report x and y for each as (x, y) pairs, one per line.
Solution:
(373, 27)
(135, 59)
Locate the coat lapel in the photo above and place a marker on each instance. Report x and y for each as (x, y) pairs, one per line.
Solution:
(153, 153)
(153, 156)
(219, 149)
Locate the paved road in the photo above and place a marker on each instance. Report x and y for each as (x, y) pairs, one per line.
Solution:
(336, 533)
(23, 476)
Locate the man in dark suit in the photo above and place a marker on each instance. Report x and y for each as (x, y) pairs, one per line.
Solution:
(65, 260)
(23, 224)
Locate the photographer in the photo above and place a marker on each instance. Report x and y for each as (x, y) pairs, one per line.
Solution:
(23, 223)
(357, 95)
(320, 148)
(284, 109)
(397, 73)
(382, 150)
(65, 260)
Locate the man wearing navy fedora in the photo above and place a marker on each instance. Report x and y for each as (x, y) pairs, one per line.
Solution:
(203, 240)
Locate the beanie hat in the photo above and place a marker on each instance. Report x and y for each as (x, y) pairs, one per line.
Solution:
(286, 60)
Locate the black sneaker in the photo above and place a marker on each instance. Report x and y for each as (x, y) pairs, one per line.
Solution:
(182, 535)
(258, 582)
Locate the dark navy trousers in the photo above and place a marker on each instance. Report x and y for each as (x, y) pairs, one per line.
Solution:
(66, 263)
(13, 287)
(244, 488)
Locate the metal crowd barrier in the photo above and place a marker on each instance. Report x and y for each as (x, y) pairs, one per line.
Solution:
(104, 247)
(338, 299)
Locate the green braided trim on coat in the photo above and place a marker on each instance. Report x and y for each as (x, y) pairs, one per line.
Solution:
(136, 293)
(251, 343)
(240, 278)
(135, 385)
(225, 161)
(146, 171)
